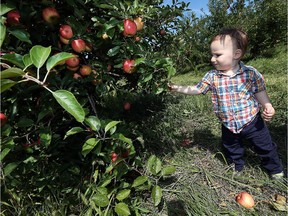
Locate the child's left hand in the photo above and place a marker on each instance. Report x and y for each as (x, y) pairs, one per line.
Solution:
(268, 112)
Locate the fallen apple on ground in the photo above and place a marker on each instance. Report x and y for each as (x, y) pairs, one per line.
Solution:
(245, 199)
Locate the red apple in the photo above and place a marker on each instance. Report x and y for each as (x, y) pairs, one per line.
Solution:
(127, 106)
(137, 39)
(130, 28)
(109, 67)
(66, 31)
(3, 119)
(185, 142)
(85, 70)
(73, 62)
(13, 17)
(78, 45)
(77, 76)
(245, 199)
(64, 40)
(73, 68)
(114, 156)
(129, 66)
(139, 23)
(50, 15)
(162, 32)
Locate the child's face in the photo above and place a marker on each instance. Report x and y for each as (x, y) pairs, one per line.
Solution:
(223, 54)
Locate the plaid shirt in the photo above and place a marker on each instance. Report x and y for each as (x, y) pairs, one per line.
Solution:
(233, 97)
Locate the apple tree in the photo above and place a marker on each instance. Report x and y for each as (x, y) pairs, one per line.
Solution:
(60, 62)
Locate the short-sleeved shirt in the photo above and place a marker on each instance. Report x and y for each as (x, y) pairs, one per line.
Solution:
(233, 98)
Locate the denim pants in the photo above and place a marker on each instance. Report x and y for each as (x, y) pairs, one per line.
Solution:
(258, 135)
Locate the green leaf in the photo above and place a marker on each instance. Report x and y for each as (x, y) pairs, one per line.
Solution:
(56, 59)
(2, 33)
(139, 181)
(68, 101)
(73, 131)
(122, 138)
(111, 125)
(156, 195)
(168, 170)
(39, 55)
(9, 168)
(154, 165)
(114, 51)
(6, 84)
(21, 34)
(25, 122)
(3, 153)
(101, 200)
(15, 59)
(4, 8)
(89, 145)
(45, 136)
(93, 122)
(11, 72)
(27, 60)
(123, 194)
(122, 209)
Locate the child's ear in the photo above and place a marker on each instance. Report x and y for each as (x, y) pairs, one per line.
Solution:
(238, 54)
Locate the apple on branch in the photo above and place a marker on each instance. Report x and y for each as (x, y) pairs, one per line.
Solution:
(50, 15)
(13, 17)
(139, 23)
(73, 62)
(66, 31)
(130, 28)
(129, 66)
(78, 45)
(85, 70)
(3, 119)
(127, 106)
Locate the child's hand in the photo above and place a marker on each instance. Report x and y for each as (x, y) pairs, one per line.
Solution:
(172, 87)
(268, 112)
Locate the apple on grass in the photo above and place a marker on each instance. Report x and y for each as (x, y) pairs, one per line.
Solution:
(66, 31)
(245, 199)
(50, 15)
(129, 66)
(78, 45)
(3, 119)
(130, 28)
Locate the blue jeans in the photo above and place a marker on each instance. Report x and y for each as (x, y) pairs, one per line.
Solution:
(258, 135)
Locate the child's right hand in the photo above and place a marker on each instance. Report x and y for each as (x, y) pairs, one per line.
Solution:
(172, 87)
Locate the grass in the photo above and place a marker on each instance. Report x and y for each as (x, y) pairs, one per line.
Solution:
(204, 184)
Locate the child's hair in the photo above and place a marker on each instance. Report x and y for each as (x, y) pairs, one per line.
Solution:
(239, 37)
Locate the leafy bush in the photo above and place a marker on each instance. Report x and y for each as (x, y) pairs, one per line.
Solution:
(59, 147)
